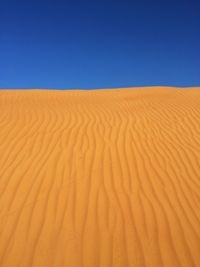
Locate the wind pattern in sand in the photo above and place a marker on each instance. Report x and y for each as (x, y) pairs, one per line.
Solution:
(104, 178)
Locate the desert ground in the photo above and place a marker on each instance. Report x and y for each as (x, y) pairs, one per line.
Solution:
(101, 178)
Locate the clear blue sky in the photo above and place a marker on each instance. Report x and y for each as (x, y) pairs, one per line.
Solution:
(99, 44)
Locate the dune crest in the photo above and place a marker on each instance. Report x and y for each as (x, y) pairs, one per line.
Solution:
(100, 178)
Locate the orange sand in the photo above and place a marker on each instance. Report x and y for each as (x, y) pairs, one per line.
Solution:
(100, 178)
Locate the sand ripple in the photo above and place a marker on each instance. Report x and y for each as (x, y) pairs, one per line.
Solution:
(100, 178)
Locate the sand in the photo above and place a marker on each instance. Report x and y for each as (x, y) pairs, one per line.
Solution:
(100, 178)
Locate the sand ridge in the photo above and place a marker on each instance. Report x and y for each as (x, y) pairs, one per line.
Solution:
(100, 178)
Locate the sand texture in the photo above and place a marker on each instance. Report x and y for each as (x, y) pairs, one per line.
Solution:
(103, 178)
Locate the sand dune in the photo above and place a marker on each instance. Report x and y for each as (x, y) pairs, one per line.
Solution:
(100, 178)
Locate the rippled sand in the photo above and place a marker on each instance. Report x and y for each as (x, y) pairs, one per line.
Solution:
(100, 178)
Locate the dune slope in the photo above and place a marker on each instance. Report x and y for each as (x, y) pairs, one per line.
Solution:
(100, 178)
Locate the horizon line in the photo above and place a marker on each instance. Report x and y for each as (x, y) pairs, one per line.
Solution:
(100, 88)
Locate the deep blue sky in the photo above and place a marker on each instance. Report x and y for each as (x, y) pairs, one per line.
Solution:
(96, 44)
